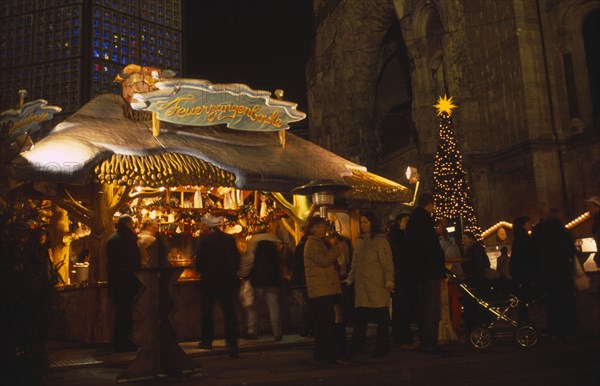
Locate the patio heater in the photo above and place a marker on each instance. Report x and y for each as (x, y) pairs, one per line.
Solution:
(322, 193)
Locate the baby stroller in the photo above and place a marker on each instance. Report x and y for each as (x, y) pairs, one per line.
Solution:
(498, 305)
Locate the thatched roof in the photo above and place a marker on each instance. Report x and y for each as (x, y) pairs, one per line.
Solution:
(99, 142)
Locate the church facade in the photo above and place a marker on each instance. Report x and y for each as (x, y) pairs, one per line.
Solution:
(523, 73)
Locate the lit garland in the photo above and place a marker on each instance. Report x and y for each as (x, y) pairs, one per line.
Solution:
(570, 225)
(451, 189)
(495, 227)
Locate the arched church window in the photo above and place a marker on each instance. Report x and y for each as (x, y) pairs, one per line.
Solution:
(435, 33)
(397, 129)
(590, 31)
(393, 97)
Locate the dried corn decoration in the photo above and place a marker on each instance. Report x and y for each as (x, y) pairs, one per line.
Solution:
(164, 169)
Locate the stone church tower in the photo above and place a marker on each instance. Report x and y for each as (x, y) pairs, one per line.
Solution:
(524, 74)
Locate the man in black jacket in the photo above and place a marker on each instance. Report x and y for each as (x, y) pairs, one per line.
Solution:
(217, 260)
(428, 263)
(404, 298)
(123, 256)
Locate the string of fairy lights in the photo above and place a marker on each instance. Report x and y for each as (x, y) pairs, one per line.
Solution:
(451, 190)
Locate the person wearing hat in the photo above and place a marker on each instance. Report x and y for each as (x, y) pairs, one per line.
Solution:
(217, 261)
(593, 206)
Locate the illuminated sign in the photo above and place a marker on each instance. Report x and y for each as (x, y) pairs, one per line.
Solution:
(27, 119)
(194, 102)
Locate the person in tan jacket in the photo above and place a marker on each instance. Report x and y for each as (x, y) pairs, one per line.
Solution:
(323, 288)
(372, 273)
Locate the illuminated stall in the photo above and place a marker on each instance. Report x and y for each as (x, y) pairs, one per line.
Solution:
(175, 159)
(500, 235)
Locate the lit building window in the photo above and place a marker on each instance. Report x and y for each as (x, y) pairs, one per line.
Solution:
(44, 52)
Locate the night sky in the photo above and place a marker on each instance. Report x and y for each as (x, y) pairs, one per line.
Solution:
(264, 44)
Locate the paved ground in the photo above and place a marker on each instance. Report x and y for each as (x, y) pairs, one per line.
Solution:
(551, 362)
(264, 362)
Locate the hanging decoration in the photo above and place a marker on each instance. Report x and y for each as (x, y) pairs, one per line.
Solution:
(177, 219)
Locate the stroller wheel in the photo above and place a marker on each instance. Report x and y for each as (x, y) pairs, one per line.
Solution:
(480, 338)
(526, 336)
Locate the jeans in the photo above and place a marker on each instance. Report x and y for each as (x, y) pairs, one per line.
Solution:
(225, 297)
(428, 313)
(306, 314)
(123, 328)
(403, 313)
(270, 296)
(363, 315)
(326, 337)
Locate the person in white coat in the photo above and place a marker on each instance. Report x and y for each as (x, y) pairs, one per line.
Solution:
(372, 273)
(152, 250)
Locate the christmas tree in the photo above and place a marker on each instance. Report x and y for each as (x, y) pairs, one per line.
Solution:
(450, 187)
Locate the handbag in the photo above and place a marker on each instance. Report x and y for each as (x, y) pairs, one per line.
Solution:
(247, 294)
(581, 280)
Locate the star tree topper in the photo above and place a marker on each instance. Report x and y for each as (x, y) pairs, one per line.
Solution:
(444, 105)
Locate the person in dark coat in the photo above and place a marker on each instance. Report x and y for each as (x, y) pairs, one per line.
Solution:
(404, 298)
(475, 263)
(298, 286)
(523, 265)
(123, 256)
(555, 250)
(593, 206)
(265, 277)
(428, 260)
(217, 261)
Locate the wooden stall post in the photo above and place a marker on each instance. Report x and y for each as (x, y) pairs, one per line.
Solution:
(60, 243)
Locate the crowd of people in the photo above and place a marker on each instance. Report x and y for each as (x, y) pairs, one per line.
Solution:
(392, 279)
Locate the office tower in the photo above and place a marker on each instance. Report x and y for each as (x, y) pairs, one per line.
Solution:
(69, 51)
